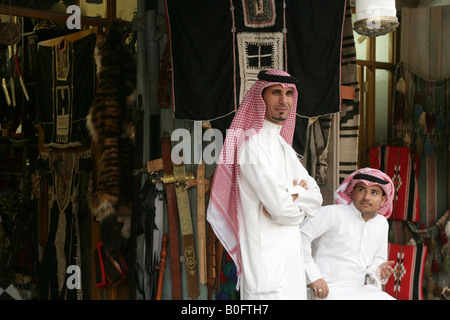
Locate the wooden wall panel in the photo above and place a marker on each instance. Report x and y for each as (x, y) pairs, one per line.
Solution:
(425, 41)
(435, 49)
(445, 42)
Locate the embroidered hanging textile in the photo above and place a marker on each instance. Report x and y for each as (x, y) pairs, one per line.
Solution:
(402, 165)
(69, 177)
(407, 281)
(65, 89)
(217, 52)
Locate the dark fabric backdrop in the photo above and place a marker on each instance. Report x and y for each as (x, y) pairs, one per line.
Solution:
(207, 69)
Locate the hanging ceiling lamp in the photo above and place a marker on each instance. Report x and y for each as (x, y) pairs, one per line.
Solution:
(59, 7)
(375, 17)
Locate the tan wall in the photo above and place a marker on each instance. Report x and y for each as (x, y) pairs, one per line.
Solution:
(125, 9)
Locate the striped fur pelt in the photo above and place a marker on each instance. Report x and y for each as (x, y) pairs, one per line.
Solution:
(110, 124)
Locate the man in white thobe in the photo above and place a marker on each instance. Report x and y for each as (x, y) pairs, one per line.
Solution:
(271, 190)
(345, 244)
(271, 254)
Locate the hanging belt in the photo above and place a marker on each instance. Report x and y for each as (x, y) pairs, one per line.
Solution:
(162, 267)
(172, 209)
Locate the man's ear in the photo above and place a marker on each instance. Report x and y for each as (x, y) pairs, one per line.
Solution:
(383, 199)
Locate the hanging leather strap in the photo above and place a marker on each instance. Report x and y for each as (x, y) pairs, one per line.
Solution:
(211, 261)
(172, 209)
(162, 267)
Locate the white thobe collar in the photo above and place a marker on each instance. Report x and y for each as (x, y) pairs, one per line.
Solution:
(271, 127)
(358, 213)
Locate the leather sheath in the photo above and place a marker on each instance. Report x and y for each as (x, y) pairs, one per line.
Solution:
(187, 231)
(174, 230)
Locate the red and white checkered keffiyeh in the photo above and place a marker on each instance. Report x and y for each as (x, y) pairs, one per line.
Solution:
(222, 211)
(344, 194)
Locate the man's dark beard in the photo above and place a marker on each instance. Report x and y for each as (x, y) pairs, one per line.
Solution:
(279, 118)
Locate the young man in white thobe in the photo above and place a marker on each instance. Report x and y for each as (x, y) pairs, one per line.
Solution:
(345, 244)
(271, 192)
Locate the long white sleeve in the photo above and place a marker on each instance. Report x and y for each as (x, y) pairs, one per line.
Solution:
(268, 187)
(380, 255)
(310, 199)
(311, 230)
(342, 248)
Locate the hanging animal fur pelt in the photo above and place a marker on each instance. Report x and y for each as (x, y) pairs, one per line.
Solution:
(110, 124)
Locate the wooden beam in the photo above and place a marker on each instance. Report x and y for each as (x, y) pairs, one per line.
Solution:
(71, 37)
(370, 104)
(377, 64)
(111, 9)
(48, 15)
(361, 138)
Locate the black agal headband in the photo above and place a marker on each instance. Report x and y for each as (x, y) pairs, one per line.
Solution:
(263, 75)
(369, 178)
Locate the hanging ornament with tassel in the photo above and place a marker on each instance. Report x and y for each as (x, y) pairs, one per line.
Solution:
(430, 123)
(421, 123)
(428, 148)
(432, 253)
(418, 110)
(445, 265)
(430, 120)
(443, 237)
(419, 145)
(437, 291)
(427, 269)
(401, 101)
(447, 229)
(440, 127)
(435, 268)
(429, 288)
